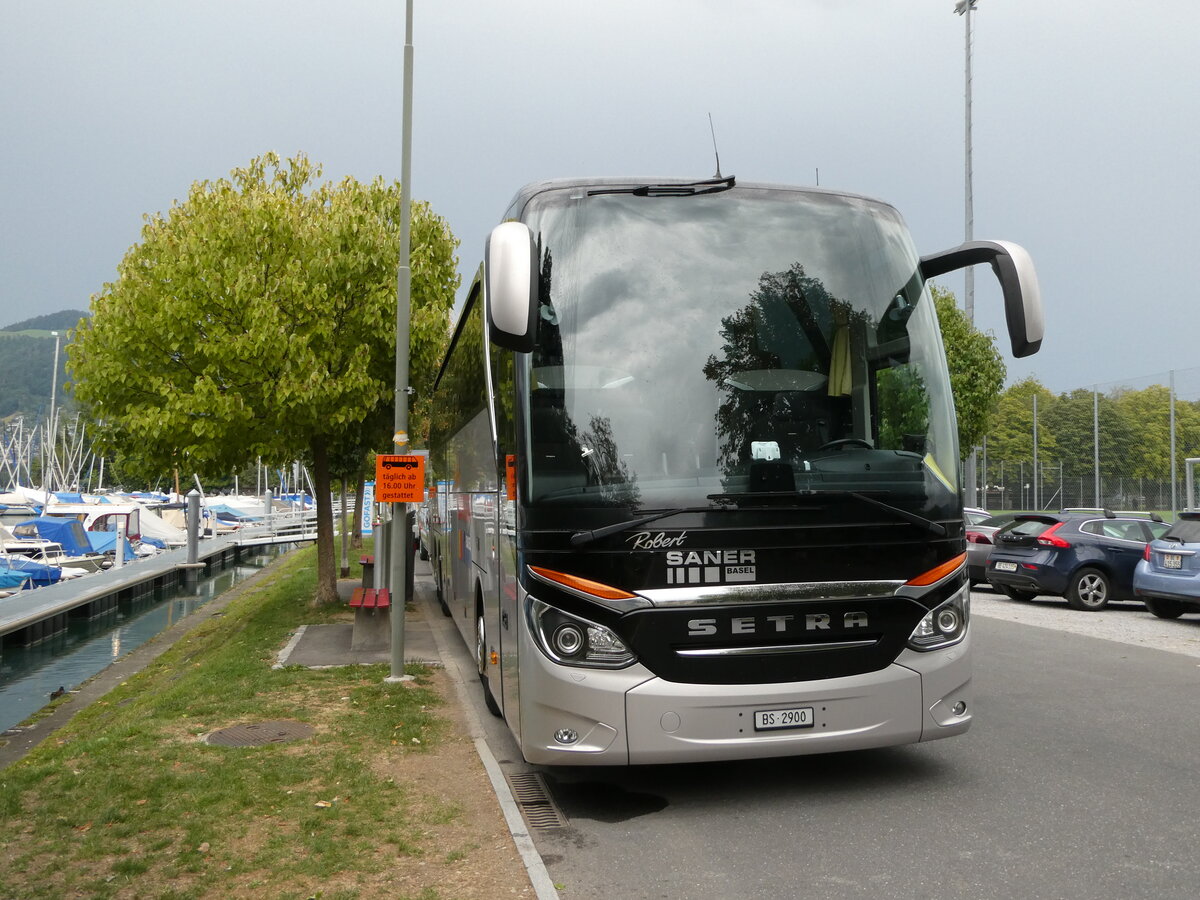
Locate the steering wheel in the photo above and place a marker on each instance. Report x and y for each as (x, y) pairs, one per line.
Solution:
(846, 442)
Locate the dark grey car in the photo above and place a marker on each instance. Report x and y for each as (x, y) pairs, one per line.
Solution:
(1086, 556)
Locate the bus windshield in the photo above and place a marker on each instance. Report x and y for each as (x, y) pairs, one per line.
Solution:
(722, 348)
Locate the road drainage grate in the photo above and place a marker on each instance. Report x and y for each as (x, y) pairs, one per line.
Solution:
(532, 796)
(260, 734)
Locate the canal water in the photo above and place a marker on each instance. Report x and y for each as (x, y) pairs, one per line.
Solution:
(28, 675)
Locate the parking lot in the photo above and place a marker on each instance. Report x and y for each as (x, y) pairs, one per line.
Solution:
(1128, 623)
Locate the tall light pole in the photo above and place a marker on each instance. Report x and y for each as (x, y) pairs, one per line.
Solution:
(965, 8)
(398, 533)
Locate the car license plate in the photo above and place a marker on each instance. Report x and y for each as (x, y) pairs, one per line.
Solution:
(1172, 561)
(1006, 567)
(775, 719)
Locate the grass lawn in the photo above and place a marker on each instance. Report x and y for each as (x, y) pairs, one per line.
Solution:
(128, 801)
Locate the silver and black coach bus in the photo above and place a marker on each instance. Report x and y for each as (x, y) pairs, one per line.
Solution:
(698, 473)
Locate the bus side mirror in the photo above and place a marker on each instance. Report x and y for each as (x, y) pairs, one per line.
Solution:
(1014, 270)
(511, 286)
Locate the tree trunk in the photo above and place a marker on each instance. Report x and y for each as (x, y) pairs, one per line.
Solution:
(322, 486)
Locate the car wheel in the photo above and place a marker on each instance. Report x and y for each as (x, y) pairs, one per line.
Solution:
(481, 662)
(1089, 590)
(1165, 609)
(1013, 593)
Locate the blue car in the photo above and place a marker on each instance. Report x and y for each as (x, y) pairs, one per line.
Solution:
(1167, 579)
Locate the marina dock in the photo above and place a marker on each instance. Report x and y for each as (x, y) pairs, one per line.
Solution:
(29, 617)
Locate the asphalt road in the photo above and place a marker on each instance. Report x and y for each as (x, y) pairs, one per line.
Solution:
(1078, 779)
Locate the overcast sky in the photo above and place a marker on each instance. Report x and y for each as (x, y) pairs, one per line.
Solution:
(1086, 128)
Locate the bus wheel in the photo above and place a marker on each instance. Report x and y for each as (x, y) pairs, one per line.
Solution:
(1089, 590)
(481, 664)
(441, 595)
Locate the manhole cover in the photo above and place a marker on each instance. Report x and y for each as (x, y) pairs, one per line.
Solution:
(258, 734)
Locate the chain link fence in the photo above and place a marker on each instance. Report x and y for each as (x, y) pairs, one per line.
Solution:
(1129, 445)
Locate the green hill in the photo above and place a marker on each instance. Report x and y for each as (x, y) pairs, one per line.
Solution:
(27, 363)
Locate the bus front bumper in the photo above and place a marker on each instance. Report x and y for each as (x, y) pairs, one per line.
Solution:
(631, 717)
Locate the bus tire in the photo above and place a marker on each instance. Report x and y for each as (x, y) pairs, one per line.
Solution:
(481, 664)
(441, 594)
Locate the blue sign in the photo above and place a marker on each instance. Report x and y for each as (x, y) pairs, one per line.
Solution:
(367, 513)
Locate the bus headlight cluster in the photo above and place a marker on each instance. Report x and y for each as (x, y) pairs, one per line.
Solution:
(944, 625)
(573, 641)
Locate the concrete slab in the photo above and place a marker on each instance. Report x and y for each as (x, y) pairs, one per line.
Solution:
(323, 646)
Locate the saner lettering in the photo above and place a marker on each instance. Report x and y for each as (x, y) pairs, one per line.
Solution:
(710, 557)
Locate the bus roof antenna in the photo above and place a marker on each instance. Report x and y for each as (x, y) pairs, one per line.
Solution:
(713, 132)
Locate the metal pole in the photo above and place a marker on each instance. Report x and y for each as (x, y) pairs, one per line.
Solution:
(48, 461)
(1174, 471)
(965, 8)
(1096, 440)
(1037, 472)
(398, 531)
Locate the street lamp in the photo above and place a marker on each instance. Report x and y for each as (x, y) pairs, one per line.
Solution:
(398, 533)
(964, 8)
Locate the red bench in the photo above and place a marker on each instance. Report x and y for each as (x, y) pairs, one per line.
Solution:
(372, 629)
(370, 598)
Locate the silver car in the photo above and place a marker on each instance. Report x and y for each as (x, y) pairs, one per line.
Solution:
(980, 544)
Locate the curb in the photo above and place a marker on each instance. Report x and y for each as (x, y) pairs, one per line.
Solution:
(539, 878)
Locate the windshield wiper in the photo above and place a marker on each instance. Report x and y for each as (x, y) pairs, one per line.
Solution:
(709, 186)
(769, 496)
(579, 538)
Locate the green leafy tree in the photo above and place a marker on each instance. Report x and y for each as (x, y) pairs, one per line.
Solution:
(1145, 446)
(977, 370)
(1011, 437)
(257, 319)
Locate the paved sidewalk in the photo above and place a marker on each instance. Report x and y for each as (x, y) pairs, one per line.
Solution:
(320, 646)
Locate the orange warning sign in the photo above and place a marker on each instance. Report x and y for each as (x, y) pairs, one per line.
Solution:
(510, 475)
(399, 479)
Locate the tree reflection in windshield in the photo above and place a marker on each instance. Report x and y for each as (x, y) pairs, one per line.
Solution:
(774, 374)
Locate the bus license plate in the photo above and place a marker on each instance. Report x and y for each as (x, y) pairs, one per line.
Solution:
(1006, 567)
(1172, 561)
(774, 719)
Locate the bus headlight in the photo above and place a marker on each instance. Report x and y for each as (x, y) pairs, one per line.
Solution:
(944, 625)
(573, 641)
